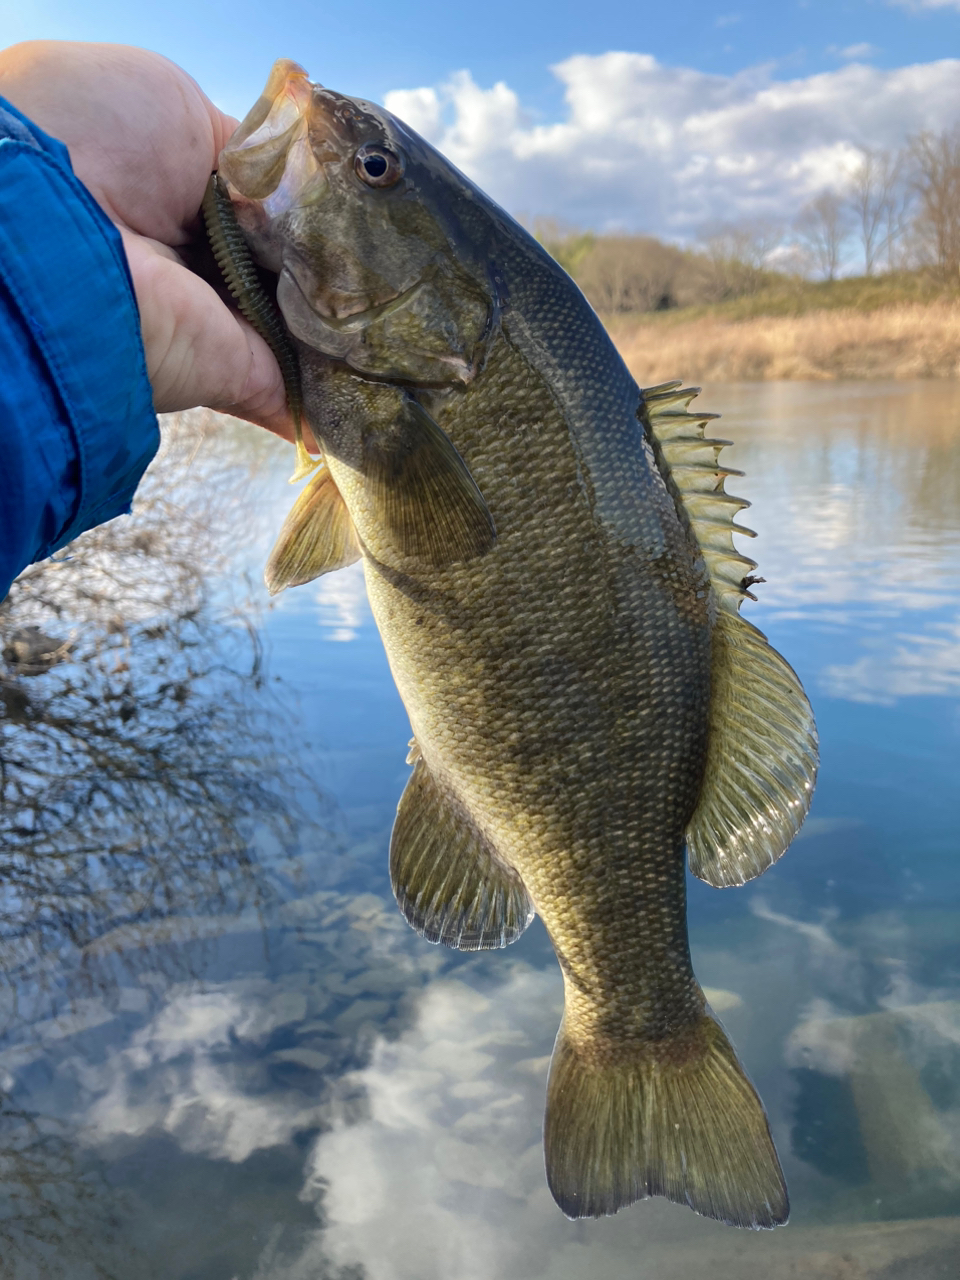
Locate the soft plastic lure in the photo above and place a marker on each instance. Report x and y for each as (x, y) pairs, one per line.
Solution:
(235, 262)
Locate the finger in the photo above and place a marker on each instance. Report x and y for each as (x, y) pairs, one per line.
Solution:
(198, 351)
(224, 127)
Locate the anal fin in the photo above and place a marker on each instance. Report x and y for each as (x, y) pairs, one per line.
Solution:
(317, 537)
(447, 879)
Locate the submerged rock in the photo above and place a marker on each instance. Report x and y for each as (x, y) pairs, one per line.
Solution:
(31, 653)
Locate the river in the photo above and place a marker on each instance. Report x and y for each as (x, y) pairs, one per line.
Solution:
(223, 1053)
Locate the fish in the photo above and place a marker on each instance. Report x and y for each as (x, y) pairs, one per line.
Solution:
(548, 552)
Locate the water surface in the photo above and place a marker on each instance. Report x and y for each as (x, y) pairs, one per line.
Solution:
(225, 1055)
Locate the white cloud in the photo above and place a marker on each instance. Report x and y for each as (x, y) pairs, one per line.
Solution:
(862, 50)
(643, 145)
(917, 5)
(420, 108)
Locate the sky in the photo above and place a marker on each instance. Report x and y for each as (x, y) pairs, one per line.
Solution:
(602, 114)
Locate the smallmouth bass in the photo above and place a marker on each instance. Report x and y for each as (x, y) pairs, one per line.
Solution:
(549, 557)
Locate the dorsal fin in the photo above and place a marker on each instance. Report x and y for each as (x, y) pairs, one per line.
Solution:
(690, 464)
(762, 746)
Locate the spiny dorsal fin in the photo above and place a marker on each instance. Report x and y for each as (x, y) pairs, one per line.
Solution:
(762, 747)
(448, 881)
(690, 463)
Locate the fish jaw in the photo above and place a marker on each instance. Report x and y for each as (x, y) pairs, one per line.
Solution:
(401, 334)
(269, 165)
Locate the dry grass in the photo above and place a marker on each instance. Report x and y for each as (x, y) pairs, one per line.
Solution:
(909, 340)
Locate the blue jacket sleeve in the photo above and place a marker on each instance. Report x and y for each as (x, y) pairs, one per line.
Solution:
(77, 426)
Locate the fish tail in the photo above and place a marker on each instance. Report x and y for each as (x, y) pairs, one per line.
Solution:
(675, 1118)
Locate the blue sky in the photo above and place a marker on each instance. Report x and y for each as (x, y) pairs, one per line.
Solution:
(597, 163)
(370, 49)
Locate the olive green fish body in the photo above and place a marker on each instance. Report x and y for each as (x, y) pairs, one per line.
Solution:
(556, 685)
(548, 554)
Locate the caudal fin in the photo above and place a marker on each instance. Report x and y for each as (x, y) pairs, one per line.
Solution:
(680, 1120)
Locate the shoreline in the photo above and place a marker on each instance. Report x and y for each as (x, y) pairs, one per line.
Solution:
(907, 340)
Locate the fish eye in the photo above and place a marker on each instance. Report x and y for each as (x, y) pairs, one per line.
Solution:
(378, 166)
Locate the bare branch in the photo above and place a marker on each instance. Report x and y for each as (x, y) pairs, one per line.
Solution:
(936, 180)
(823, 227)
(879, 198)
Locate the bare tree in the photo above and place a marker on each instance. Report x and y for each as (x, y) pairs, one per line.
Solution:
(140, 760)
(563, 241)
(630, 273)
(823, 226)
(936, 180)
(738, 255)
(879, 198)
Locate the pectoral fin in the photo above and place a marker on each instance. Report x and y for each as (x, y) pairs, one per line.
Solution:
(423, 495)
(317, 537)
(448, 881)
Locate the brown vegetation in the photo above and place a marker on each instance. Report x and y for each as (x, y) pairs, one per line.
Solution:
(626, 274)
(908, 340)
(716, 315)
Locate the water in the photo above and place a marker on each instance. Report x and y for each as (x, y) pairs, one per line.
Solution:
(225, 1055)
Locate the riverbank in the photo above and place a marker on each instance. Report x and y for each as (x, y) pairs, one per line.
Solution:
(903, 340)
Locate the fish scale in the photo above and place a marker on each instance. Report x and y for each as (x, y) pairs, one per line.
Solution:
(549, 557)
(634, 804)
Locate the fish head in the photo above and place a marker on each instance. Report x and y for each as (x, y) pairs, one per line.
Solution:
(363, 222)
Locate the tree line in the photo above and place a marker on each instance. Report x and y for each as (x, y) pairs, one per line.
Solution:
(896, 211)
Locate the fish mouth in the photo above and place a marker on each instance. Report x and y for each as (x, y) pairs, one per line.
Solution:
(360, 318)
(337, 336)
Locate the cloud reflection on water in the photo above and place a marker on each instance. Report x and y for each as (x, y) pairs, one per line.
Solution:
(195, 1071)
(424, 1074)
(446, 1172)
(859, 523)
(902, 665)
(439, 1172)
(342, 603)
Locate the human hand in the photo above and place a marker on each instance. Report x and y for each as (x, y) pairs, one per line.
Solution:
(144, 138)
